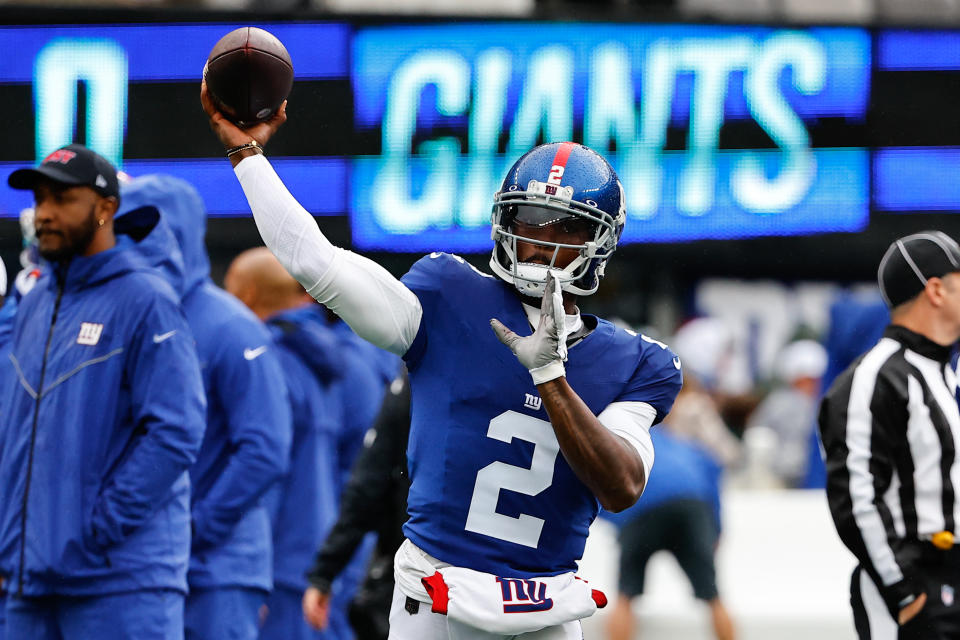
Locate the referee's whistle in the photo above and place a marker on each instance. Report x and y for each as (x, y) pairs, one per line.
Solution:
(942, 540)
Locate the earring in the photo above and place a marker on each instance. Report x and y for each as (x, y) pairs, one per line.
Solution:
(101, 222)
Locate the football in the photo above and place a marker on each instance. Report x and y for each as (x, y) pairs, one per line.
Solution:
(249, 74)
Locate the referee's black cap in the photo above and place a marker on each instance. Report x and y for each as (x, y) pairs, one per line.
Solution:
(911, 260)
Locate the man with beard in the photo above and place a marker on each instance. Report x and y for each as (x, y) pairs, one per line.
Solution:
(103, 417)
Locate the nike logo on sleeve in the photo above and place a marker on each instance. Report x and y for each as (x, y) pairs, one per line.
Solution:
(253, 354)
(160, 337)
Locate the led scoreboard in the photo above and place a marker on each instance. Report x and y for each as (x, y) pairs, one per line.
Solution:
(717, 132)
(457, 104)
(107, 66)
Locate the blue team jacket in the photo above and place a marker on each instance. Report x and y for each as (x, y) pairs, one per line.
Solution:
(8, 313)
(103, 418)
(367, 370)
(306, 502)
(249, 427)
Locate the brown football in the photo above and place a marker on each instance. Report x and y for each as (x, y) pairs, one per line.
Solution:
(249, 74)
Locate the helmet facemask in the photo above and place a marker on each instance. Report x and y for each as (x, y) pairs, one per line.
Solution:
(542, 205)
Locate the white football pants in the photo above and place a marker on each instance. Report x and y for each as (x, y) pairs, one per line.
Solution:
(427, 625)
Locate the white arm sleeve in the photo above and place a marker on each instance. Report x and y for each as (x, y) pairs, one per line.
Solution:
(377, 306)
(632, 421)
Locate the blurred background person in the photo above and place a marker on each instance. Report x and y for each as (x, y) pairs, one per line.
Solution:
(374, 500)
(856, 322)
(679, 512)
(305, 503)
(789, 412)
(367, 370)
(23, 282)
(101, 423)
(720, 354)
(7, 313)
(247, 442)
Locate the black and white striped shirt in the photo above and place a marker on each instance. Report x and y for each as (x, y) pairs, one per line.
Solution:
(891, 429)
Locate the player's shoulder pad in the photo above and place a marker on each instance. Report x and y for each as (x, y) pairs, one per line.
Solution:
(654, 354)
(438, 269)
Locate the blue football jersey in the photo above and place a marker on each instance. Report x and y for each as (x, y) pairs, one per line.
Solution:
(490, 490)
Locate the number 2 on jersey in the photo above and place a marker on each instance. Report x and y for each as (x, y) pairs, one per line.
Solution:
(483, 517)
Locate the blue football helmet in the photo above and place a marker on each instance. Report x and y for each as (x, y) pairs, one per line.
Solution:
(562, 183)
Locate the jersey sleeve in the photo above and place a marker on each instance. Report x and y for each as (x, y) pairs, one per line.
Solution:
(430, 278)
(657, 378)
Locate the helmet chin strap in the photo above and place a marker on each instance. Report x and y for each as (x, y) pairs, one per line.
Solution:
(531, 279)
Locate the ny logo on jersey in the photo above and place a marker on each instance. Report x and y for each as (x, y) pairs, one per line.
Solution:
(524, 596)
(532, 402)
(89, 333)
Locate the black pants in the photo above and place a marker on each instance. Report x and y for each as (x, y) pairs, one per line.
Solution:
(938, 620)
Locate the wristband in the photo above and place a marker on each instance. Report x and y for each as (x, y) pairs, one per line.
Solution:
(253, 144)
(548, 372)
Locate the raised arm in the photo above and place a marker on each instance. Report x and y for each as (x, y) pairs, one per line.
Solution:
(377, 306)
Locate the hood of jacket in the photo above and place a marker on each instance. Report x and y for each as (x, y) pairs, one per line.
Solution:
(182, 208)
(143, 230)
(81, 272)
(304, 332)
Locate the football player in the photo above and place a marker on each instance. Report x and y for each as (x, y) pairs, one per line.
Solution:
(498, 517)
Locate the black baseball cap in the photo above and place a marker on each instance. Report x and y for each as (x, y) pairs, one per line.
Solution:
(73, 164)
(911, 260)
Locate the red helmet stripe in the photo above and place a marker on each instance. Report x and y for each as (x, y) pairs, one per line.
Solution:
(560, 162)
(563, 154)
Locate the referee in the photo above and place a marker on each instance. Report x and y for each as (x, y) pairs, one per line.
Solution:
(891, 428)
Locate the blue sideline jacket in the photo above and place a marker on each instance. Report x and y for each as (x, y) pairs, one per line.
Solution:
(8, 313)
(366, 374)
(307, 502)
(247, 442)
(367, 371)
(106, 415)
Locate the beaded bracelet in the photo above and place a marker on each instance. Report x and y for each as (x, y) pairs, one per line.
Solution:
(253, 144)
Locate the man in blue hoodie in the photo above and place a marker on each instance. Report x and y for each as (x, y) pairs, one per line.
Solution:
(349, 402)
(105, 417)
(9, 301)
(313, 360)
(247, 442)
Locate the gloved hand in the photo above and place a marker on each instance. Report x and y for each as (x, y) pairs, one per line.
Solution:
(545, 350)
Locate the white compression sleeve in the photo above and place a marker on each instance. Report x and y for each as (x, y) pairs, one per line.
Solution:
(632, 421)
(377, 306)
